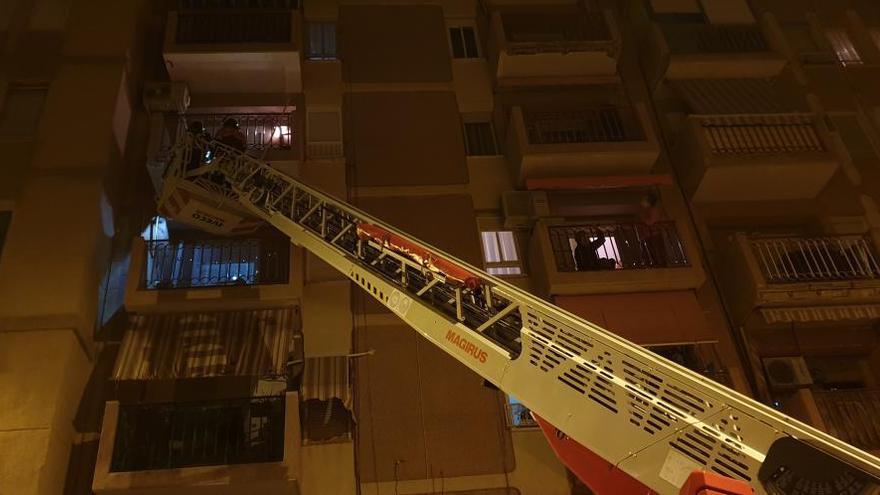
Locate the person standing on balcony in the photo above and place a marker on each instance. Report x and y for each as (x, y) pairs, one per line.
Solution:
(653, 243)
(231, 135)
(585, 256)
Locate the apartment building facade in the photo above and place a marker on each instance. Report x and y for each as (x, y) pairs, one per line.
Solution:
(581, 150)
(769, 113)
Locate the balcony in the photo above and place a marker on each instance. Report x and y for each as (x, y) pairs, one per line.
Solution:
(633, 258)
(802, 279)
(248, 445)
(851, 415)
(708, 51)
(215, 263)
(205, 274)
(552, 44)
(612, 140)
(746, 157)
(252, 50)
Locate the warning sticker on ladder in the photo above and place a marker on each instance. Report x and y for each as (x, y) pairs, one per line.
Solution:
(399, 303)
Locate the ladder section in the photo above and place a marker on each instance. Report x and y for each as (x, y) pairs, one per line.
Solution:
(649, 417)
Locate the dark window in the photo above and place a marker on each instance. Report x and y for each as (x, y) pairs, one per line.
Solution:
(479, 139)
(5, 217)
(21, 111)
(322, 41)
(464, 42)
(325, 420)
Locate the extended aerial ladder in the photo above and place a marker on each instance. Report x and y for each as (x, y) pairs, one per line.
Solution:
(620, 417)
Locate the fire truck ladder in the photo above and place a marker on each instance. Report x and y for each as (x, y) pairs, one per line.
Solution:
(651, 420)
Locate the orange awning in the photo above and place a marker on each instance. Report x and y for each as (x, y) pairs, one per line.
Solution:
(646, 318)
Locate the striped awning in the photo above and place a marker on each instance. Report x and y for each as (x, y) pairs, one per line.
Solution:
(736, 96)
(807, 314)
(325, 378)
(191, 345)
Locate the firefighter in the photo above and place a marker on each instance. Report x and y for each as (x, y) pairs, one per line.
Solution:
(231, 135)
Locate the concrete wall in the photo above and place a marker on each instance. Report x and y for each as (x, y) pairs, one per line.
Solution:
(393, 44)
(41, 376)
(404, 138)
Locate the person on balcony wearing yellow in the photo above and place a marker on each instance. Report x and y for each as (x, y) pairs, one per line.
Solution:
(230, 135)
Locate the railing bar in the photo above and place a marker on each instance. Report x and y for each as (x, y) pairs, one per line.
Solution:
(800, 245)
(791, 272)
(846, 250)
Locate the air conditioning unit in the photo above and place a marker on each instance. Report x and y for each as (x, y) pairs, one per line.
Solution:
(166, 96)
(522, 208)
(787, 372)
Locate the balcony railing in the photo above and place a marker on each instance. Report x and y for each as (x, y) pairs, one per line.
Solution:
(537, 32)
(519, 416)
(625, 246)
(752, 135)
(690, 39)
(851, 415)
(261, 130)
(817, 259)
(210, 26)
(215, 263)
(166, 436)
(599, 125)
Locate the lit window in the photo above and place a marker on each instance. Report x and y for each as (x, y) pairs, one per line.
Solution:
(21, 110)
(500, 253)
(518, 415)
(479, 140)
(464, 42)
(322, 41)
(843, 47)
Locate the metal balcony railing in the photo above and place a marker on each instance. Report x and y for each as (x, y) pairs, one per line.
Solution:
(625, 246)
(851, 415)
(689, 39)
(816, 259)
(519, 416)
(211, 26)
(261, 130)
(598, 125)
(215, 263)
(166, 436)
(536, 32)
(752, 135)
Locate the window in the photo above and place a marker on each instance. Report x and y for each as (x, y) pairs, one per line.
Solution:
(479, 140)
(322, 41)
(464, 42)
(5, 217)
(518, 415)
(500, 252)
(21, 111)
(843, 47)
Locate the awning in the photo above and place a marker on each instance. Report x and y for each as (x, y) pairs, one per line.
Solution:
(326, 378)
(736, 96)
(646, 318)
(192, 345)
(853, 312)
(598, 182)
